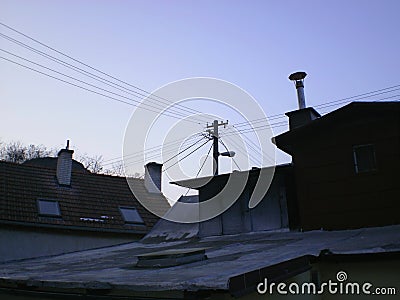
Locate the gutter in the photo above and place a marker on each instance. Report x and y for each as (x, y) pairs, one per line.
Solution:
(129, 229)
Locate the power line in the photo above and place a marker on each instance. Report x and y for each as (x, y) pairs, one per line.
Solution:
(201, 167)
(239, 148)
(73, 78)
(204, 162)
(361, 96)
(182, 107)
(377, 100)
(264, 119)
(151, 149)
(278, 124)
(95, 92)
(95, 77)
(113, 84)
(264, 127)
(40, 72)
(184, 150)
(258, 152)
(149, 156)
(136, 87)
(262, 152)
(150, 96)
(186, 155)
(327, 104)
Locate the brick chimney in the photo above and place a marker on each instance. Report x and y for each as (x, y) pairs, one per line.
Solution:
(64, 165)
(152, 177)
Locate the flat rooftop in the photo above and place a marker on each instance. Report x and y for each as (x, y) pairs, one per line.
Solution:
(229, 260)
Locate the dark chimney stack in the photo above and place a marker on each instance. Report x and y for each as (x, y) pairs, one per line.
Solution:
(304, 114)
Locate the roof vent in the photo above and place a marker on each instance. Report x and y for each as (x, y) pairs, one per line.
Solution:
(171, 257)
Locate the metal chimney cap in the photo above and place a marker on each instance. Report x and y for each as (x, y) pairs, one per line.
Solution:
(298, 76)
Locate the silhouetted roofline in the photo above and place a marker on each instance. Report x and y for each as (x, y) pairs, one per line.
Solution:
(196, 183)
(331, 117)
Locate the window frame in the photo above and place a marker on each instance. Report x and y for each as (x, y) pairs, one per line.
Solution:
(356, 162)
(56, 215)
(128, 222)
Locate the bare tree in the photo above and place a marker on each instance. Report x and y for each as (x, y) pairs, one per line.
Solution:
(14, 152)
(119, 170)
(115, 169)
(17, 152)
(37, 151)
(93, 164)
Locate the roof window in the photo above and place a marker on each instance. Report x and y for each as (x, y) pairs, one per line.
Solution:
(49, 208)
(131, 215)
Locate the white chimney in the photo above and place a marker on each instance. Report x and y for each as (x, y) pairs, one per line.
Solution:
(64, 165)
(152, 177)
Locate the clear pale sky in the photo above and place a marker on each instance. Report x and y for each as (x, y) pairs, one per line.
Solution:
(346, 47)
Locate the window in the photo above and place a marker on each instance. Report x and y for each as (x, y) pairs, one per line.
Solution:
(49, 208)
(131, 215)
(364, 158)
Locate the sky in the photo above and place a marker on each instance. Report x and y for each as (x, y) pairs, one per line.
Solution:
(346, 47)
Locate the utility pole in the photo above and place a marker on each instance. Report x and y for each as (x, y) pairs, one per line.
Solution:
(214, 133)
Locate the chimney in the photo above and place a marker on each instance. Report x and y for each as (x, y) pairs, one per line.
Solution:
(64, 165)
(298, 79)
(152, 177)
(303, 115)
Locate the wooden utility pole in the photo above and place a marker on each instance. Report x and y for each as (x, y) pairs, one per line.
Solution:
(214, 133)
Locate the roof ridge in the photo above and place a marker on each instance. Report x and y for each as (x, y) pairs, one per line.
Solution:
(41, 167)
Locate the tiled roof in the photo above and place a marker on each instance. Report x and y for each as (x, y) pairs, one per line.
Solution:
(91, 203)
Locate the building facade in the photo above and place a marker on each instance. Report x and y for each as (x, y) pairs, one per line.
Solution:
(275, 202)
(346, 165)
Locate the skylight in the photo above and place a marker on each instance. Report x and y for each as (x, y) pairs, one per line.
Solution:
(131, 215)
(49, 208)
